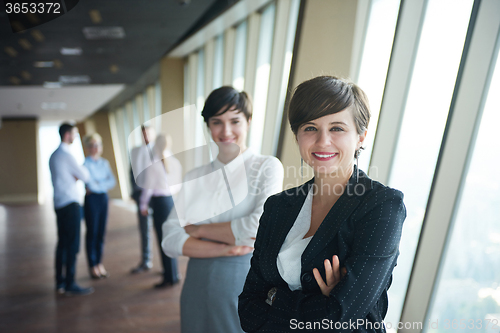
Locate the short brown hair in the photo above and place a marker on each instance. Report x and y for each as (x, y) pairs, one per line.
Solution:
(324, 95)
(65, 128)
(227, 98)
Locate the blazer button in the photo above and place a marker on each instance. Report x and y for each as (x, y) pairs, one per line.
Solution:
(307, 277)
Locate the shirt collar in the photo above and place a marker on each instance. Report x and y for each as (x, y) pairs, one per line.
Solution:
(64, 146)
(90, 159)
(236, 162)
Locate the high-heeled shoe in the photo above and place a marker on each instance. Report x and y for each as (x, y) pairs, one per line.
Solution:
(95, 273)
(102, 271)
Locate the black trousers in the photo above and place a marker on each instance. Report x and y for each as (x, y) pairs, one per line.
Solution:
(144, 232)
(68, 242)
(96, 216)
(161, 208)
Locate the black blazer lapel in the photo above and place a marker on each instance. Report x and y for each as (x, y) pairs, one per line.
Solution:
(294, 200)
(340, 212)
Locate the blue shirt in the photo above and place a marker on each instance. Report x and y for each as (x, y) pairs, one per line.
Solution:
(65, 171)
(101, 177)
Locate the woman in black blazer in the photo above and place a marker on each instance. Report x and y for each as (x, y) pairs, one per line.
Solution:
(325, 250)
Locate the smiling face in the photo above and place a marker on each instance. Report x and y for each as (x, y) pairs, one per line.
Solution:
(231, 127)
(328, 143)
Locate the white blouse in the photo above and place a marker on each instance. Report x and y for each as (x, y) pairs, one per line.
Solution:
(218, 192)
(157, 182)
(290, 255)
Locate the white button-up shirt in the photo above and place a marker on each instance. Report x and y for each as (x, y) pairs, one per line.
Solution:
(157, 182)
(218, 192)
(290, 255)
(65, 171)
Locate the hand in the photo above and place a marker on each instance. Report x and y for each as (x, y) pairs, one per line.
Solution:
(88, 191)
(333, 275)
(193, 230)
(238, 250)
(144, 212)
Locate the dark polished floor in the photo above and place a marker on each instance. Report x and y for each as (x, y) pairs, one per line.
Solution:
(122, 303)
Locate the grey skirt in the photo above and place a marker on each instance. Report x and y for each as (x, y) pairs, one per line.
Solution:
(209, 299)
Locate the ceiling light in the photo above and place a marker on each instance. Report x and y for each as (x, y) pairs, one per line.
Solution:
(95, 16)
(43, 64)
(26, 75)
(10, 51)
(17, 26)
(25, 44)
(53, 105)
(58, 63)
(74, 79)
(104, 32)
(48, 84)
(71, 50)
(37, 35)
(14, 80)
(33, 18)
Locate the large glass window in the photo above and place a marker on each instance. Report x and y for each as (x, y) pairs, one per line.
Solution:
(375, 62)
(158, 101)
(123, 130)
(218, 61)
(49, 139)
(145, 106)
(426, 111)
(472, 259)
(139, 108)
(136, 122)
(186, 84)
(240, 50)
(200, 99)
(262, 77)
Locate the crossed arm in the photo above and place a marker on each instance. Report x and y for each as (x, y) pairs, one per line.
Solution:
(235, 237)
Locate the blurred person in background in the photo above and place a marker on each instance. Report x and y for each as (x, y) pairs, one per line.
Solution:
(163, 180)
(101, 180)
(140, 158)
(65, 172)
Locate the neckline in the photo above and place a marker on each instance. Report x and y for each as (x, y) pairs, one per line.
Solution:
(245, 155)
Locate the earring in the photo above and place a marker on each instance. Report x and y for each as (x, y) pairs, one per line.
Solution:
(357, 164)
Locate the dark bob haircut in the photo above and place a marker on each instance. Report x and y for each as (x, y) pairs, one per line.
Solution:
(226, 98)
(65, 128)
(324, 95)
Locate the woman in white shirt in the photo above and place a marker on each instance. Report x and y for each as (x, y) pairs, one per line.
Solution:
(163, 179)
(216, 216)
